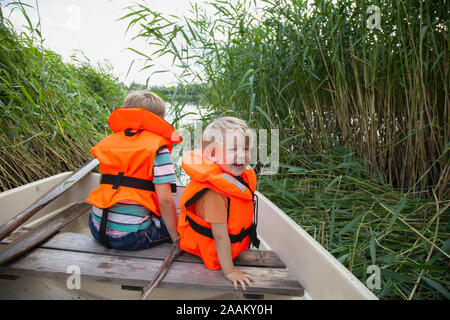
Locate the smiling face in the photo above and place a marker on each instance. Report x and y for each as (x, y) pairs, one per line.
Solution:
(232, 157)
(227, 142)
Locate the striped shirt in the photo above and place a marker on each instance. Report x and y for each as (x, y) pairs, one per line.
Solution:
(163, 169)
(129, 216)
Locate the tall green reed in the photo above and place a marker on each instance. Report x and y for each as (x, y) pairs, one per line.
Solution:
(320, 70)
(51, 112)
(363, 117)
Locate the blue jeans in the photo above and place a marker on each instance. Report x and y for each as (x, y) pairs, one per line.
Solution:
(142, 239)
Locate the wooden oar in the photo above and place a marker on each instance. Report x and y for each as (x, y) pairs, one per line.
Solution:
(173, 253)
(15, 222)
(44, 231)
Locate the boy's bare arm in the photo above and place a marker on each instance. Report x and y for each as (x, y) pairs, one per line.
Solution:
(168, 208)
(223, 247)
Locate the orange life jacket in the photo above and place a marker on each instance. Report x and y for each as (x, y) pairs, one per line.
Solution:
(195, 233)
(126, 158)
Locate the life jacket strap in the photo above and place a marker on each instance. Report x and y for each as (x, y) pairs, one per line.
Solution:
(234, 238)
(130, 182)
(253, 236)
(103, 239)
(130, 133)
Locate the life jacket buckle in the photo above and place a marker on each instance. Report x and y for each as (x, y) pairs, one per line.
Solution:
(129, 133)
(118, 180)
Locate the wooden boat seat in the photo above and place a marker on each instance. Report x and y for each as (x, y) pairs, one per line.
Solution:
(135, 269)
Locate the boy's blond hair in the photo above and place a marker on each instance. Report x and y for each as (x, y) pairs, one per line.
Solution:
(221, 128)
(146, 100)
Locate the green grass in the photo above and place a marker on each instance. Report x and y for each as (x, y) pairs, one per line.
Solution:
(363, 222)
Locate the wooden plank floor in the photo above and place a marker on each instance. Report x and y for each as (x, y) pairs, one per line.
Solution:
(85, 243)
(137, 268)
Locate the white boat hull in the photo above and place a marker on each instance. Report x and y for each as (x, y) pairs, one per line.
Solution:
(322, 276)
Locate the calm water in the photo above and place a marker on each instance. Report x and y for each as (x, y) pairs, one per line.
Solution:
(188, 108)
(189, 143)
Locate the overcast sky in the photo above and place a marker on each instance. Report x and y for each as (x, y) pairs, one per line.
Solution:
(92, 26)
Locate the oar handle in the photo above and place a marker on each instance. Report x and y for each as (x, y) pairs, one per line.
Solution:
(46, 198)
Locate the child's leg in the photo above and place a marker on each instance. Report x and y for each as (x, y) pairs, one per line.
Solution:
(121, 242)
(155, 234)
(157, 231)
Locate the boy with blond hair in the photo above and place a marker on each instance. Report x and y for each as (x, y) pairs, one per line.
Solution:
(133, 208)
(217, 214)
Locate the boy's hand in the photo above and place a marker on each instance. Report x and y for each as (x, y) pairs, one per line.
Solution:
(239, 276)
(223, 247)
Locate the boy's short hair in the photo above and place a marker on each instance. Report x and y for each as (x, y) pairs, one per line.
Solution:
(223, 128)
(146, 100)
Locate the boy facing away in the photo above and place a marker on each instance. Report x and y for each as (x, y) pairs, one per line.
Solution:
(133, 208)
(217, 206)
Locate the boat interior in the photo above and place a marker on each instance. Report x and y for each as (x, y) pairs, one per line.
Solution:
(49, 270)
